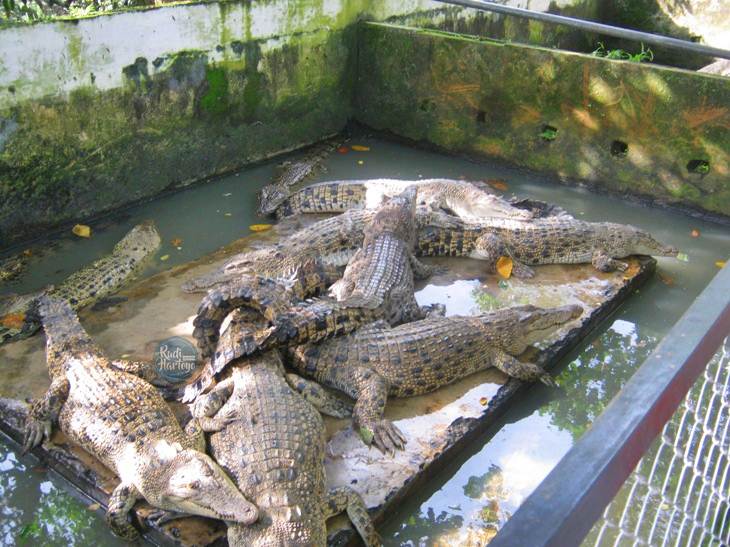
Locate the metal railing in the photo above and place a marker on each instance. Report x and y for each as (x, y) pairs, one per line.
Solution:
(591, 26)
(679, 493)
(564, 507)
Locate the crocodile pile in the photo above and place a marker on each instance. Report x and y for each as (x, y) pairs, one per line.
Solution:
(331, 307)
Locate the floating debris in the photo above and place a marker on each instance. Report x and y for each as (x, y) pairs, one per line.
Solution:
(81, 230)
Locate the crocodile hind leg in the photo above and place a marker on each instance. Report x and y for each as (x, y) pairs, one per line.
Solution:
(490, 248)
(603, 262)
(44, 413)
(346, 499)
(120, 504)
(319, 398)
(513, 368)
(421, 270)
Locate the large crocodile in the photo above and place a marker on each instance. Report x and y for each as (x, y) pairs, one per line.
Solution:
(88, 285)
(293, 173)
(468, 200)
(559, 239)
(419, 357)
(377, 284)
(124, 422)
(272, 442)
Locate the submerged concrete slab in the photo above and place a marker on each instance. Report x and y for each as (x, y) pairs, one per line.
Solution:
(437, 425)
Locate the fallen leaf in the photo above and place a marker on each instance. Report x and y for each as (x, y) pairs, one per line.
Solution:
(498, 184)
(666, 279)
(176, 242)
(13, 320)
(695, 233)
(720, 263)
(360, 148)
(360, 162)
(504, 267)
(343, 150)
(164, 257)
(93, 507)
(682, 257)
(81, 230)
(483, 401)
(260, 227)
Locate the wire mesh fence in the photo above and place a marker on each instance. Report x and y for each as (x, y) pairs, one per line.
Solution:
(679, 494)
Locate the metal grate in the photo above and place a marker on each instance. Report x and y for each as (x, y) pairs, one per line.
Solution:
(679, 494)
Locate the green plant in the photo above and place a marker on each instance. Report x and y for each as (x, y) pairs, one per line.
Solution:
(645, 55)
(23, 10)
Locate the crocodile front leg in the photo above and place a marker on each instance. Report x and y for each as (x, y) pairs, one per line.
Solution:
(371, 393)
(421, 270)
(319, 398)
(44, 414)
(490, 248)
(346, 499)
(120, 504)
(195, 434)
(604, 263)
(528, 372)
(207, 405)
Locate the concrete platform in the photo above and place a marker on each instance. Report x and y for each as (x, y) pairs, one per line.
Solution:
(437, 425)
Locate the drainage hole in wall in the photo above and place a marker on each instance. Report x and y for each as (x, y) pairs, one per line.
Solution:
(548, 133)
(619, 149)
(481, 116)
(701, 167)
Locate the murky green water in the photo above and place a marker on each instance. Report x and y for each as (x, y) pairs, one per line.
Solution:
(477, 493)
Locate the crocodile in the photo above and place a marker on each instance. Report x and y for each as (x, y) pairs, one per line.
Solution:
(559, 239)
(272, 442)
(293, 173)
(419, 357)
(124, 422)
(377, 284)
(88, 285)
(468, 200)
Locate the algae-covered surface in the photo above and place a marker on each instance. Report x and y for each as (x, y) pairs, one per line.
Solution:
(468, 497)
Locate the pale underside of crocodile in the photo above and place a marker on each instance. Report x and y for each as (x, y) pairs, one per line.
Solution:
(123, 421)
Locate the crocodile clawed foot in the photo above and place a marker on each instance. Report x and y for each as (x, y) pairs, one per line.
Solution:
(158, 518)
(434, 310)
(384, 435)
(123, 529)
(620, 266)
(548, 380)
(521, 271)
(35, 432)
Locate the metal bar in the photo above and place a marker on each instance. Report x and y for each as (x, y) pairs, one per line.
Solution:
(600, 28)
(563, 508)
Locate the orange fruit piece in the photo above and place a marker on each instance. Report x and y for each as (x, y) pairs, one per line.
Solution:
(504, 267)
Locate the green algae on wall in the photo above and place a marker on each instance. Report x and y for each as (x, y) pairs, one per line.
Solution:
(627, 127)
(178, 119)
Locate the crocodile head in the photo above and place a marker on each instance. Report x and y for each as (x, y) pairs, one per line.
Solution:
(271, 197)
(141, 241)
(639, 242)
(280, 527)
(396, 215)
(534, 324)
(191, 482)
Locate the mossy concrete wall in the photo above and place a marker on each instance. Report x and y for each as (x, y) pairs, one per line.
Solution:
(627, 127)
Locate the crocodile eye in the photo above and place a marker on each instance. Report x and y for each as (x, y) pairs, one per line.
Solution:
(195, 485)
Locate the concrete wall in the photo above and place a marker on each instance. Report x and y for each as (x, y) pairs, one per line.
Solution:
(628, 127)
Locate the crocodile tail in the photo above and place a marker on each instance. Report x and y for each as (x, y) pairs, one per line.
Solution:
(61, 324)
(260, 294)
(316, 320)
